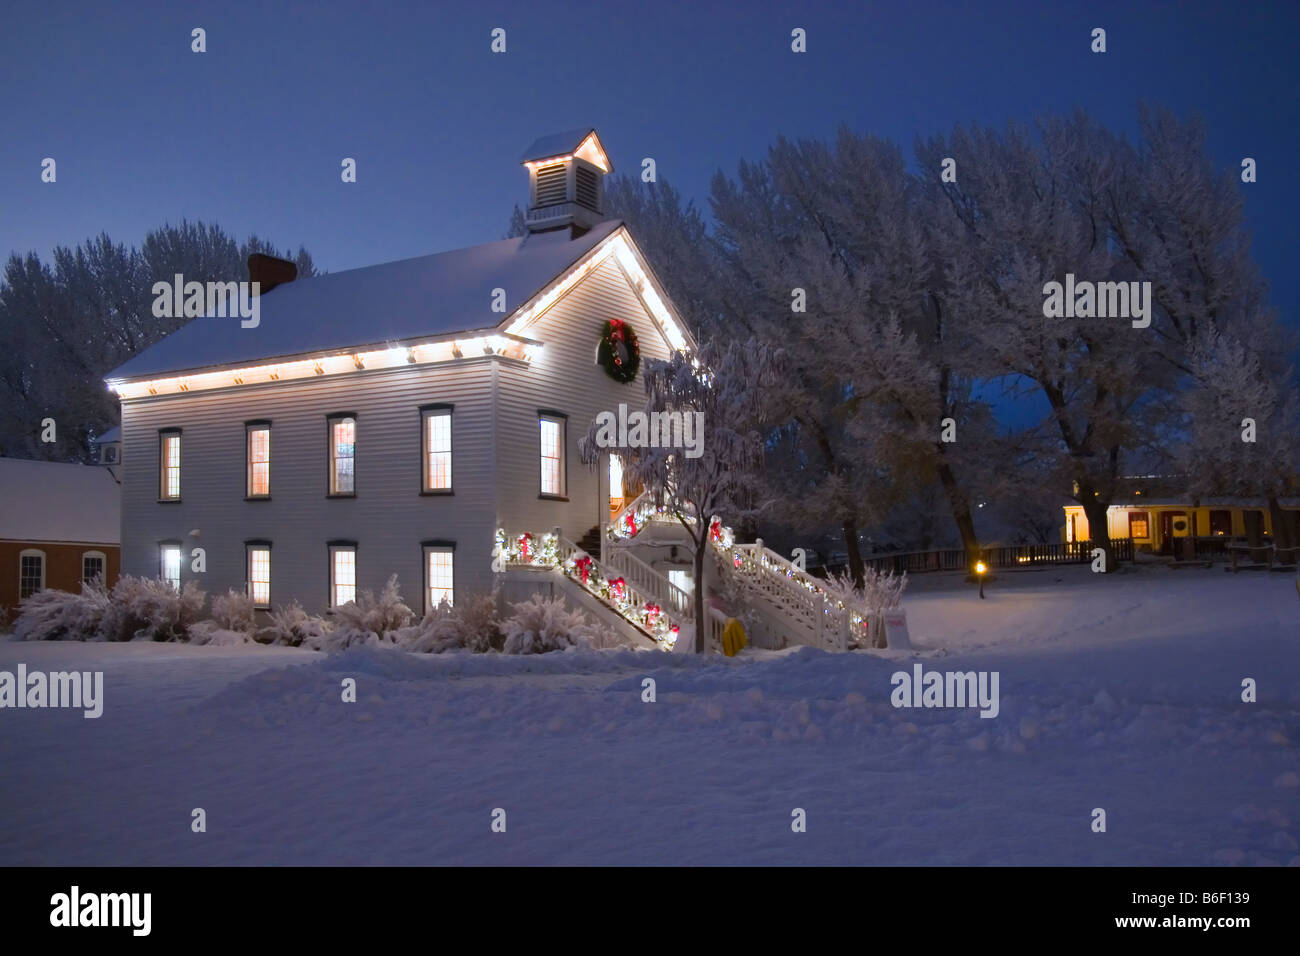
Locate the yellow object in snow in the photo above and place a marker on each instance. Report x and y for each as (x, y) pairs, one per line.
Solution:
(733, 637)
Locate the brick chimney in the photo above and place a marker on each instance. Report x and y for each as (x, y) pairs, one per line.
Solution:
(270, 271)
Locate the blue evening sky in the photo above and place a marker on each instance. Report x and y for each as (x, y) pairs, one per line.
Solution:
(250, 134)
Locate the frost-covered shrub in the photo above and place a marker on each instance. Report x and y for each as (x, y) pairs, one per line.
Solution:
(471, 625)
(605, 638)
(880, 591)
(292, 626)
(150, 608)
(344, 635)
(233, 611)
(211, 632)
(379, 615)
(542, 624)
(52, 615)
(368, 620)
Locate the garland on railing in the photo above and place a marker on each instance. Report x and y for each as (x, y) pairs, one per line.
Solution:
(535, 550)
(634, 519)
(543, 551)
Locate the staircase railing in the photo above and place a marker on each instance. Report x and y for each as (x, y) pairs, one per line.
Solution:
(637, 604)
(633, 517)
(822, 618)
(647, 579)
(648, 600)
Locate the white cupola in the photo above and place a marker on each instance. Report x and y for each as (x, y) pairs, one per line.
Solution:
(566, 181)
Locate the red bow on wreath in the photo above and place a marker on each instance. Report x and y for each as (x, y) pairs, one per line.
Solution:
(616, 336)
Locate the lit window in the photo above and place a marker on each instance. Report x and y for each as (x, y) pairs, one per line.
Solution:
(1138, 525)
(437, 449)
(343, 574)
(259, 574)
(93, 566)
(169, 470)
(552, 454)
(259, 461)
(438, 575)
(31, 572)
(343, 455)
(169, 560)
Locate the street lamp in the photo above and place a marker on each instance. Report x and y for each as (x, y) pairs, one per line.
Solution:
(980, 568)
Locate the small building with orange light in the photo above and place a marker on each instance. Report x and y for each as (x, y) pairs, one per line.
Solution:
(1156, 518)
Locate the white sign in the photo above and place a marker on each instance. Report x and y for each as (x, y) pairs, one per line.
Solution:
(896, 629)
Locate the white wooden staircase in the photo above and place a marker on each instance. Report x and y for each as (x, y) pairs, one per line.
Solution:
(788, 605)
(792, 605)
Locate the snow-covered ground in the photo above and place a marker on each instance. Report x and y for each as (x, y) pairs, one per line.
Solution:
(1121, 692)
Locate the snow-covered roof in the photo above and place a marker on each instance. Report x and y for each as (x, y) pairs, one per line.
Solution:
(52, 501)
(393, 302)
(113, 434)
(556, 144)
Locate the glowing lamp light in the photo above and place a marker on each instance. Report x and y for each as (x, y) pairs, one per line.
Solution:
(980, 568)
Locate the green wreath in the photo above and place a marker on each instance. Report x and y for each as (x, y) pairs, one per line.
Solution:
(619, 353)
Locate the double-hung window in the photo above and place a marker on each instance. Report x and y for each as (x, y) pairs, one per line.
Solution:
(439, 576)
(551, 427)
(259, 572)
(435, 440)
(169, 465)
(257, 441)
(343, 454)
(31, 572)
(343, 572)
(93, 567)
(169, 563)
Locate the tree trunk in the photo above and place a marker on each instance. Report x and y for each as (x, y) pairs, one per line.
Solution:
(1253, 522)
(1098, 530)
(856, 568)
(961, 513)
(1284, 532)
(701, 622)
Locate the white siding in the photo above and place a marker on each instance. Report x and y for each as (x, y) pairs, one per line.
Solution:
(495, 450)
(564, 377)
(388, 518)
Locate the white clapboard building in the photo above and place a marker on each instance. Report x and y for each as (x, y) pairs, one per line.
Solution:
(421, 418)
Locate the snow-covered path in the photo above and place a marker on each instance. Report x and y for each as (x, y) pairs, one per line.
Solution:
(1121, 693)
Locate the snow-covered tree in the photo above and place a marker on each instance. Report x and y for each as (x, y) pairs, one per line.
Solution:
(731, 388)
(1031, 208)
(66, 323)
(827, 253)
(1243, 430)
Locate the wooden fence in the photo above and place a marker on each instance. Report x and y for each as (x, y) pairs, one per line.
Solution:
(1010, 556)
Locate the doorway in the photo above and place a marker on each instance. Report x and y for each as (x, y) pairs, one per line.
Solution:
(1174, 526)
(616, 494)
